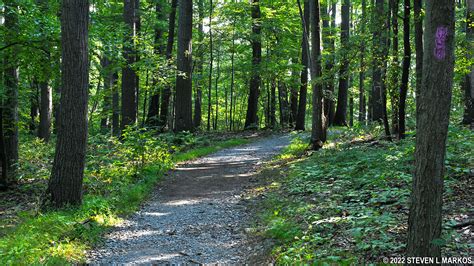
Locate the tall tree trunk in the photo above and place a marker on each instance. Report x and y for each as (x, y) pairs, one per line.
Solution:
(115, 105)
(183, 116)
(10, 79)
(211, 62)
(318, 134)
(417, 7)
(65, 185)
(251, 119)
(385, 52)
(283, 99)
(3, 157)
(362, 101)
(158, 49)
(393, 78)
(301, 115)
(200, 68)
(129, 76)
(329, 103)
(468, 118)
(46, 98)
(405, 69)
(165, 99)
(109, 84)
(341, 110)
(232, 79)
(293, 96)
(217, 82)
(34, 106)
(376, 99)
(432, 115)
(273, 103)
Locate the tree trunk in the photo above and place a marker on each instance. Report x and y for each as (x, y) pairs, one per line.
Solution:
(432, 113)
(211, 62)
(318, 134)
(283, 99)
(293, 96)
(165, 99)
(341, 110)
(468, 118)
(115, 105)
(392, 82)
(34, 106)
(10, 79)
(405, 69)
(417, 6)
(251, 119)
(184, 91)
(384, 59)
(3, 157)
(329, 44)
(217, 83)
(200, 66)
(158, 49)
(65, 185)
(129, 77)
(376, 99)
(301, 115)
(362, 101)
(273, 104)
(232, 79)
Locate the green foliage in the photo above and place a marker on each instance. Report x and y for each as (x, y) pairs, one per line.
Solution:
(348, 203)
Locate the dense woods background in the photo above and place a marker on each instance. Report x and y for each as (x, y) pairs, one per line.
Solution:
(121, 88)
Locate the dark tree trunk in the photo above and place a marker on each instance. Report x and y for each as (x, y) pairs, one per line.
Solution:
(392, 82)
(109, 83)
(283, 99)
(3, 156)
(384, 59)
(165, 99)
(417, 10)
(301, 115)
(217, 83)
(293, 96)
(200, 66)
(362, 101)
(158, 49)
(211, 62)
(273, 104)
(46, 98)
(232, 79)
(129, 76)
(405, 69)
(341, 110)
(10, 79)
(468, 117)
(432, 115)
(251, 119)
(329, 43)
(376, 98)
(65, 185)
(115, 105)
(318, 133)
(184, 91)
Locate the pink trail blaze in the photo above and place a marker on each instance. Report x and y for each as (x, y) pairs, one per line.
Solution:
(440, 42)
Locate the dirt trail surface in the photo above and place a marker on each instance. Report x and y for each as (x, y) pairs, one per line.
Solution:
(196, 214)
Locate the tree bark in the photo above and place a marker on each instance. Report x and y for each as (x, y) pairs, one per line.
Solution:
(65, 185)
(432, 113)
(301, 115)
(251, 119)
(158, 49)
(318, 134)
(468, 117)
(211, 62)
(405, 69)
(393, 78)
(10, 79)
(165, 99)
(184, 90)
(417, 7)
(362, 100)
(376, 99)
(129, 76)
(283, 99)
(200, 66)
(341, 110)
(4, 182)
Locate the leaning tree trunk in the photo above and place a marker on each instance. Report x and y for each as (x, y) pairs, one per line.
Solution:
(405, 70)
(468, 118)
(318, 134)
(183, 116)
(10, 79)
(301, 114)
(432, 115)
(251, 120)
(65, 185)
(341, 110)
(129, 77)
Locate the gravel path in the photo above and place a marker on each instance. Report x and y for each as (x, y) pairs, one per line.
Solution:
(196, 214)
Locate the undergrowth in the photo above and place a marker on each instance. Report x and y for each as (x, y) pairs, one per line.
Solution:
(118, 178)
(348, 203)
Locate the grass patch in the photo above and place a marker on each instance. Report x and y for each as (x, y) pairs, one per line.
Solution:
(348, 203)
(119, 177)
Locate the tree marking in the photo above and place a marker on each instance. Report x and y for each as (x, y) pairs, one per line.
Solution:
(440, 42)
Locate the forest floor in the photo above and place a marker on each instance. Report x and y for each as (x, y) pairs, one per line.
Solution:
(197, 214)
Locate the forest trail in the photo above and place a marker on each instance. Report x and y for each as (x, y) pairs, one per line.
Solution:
(196, 214)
